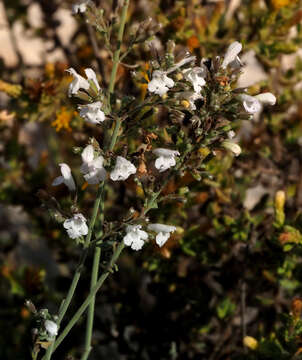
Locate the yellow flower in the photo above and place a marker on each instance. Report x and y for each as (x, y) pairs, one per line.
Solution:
(10, 89)
(63, 119)
(250, 342)
(278, 4)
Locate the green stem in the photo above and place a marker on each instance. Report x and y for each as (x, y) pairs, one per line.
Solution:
(97, 252)
(93, 281)
(116, 55)
(78, 272)
(104, 276)
(91, 296)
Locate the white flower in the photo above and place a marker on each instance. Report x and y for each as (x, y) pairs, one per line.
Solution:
(92, 112)
(51, 327)
(250, 103)
(231, 134)
(81, 83)
(166, 158)
(76, 226)
(92, 167)
(163, 232)
(66, 178)
(91, 76)
(191, 97)
(80, 7)
(196, 77)
(160, 83)
(266, 98)
(229, 145)
(231, 55)
(135, 237)
(122, 170)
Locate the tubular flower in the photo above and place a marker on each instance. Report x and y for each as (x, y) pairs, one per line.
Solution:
(191, 97)
(81, 83)
(231, 55)
(253, 104)
(250, 103)
(76, 226)
(266, 98)
(92, 113)
(166, 158)
(160, 83)
(51, 327)
(122, 170)
(91, 76)
(92, 167)
(196, 77)
(135, 237)
(229, 145)
(163, 232)
(66, 178)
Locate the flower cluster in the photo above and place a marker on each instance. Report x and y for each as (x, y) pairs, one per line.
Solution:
(93, 168)
(190, 83)
(136, 238)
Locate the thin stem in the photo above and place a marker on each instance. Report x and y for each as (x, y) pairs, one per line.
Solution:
(116, 55)
(90, 297)
(104, 276)
(78, 272)
(93, 281)
(97, 252)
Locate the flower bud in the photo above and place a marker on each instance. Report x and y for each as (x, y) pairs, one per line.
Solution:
(250, 342)
(229, 145)
(280, 200)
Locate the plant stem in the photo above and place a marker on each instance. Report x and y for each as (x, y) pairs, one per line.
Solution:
(114, 258)
(94, 277)
(77, 274)
(91, 296)
(116, 55)
(97, 252)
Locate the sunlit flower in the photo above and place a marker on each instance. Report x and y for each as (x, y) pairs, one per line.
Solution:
(266, 98)
(231, 55)
(122, 170)
(81, 83)
(51, 327)
(165, 158)
(92, 167)
(91, 76)
(163, 232)
(135, 237)
(191, 97)
(250, 103)
(80, 7)
(160, 83)
(76, 226)
(196, 77)
(92, 112)
(233, 147)
(253, 104)
(66, 178)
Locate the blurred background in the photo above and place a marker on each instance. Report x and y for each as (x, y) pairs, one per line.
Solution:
(232, 269)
